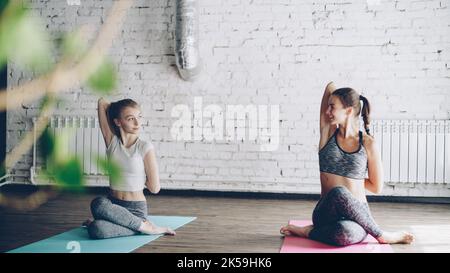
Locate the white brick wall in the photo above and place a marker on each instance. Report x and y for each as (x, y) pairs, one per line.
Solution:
(278, 52)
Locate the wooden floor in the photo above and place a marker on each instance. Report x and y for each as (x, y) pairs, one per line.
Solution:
(225, 224)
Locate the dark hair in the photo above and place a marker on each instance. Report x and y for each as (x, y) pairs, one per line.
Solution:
(114, 111)
(350, 98)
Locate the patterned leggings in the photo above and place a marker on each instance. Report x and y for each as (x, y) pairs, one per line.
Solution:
(341, 219)
(116, 218)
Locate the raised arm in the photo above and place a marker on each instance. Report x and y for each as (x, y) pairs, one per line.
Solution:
(152, 172)
(103, 120)
(375, 181)
(329, 89)
(325, 127)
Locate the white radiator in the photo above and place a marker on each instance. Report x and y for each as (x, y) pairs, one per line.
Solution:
(85, 140)
(412, 151)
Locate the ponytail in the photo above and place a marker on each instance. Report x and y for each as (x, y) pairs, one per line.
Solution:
(365, 113)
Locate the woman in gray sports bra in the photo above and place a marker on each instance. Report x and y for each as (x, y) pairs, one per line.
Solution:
(349, 164)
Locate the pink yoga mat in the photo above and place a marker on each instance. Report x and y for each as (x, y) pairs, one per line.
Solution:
(293, 244)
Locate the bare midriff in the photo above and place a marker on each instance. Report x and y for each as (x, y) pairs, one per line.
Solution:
(355, 186)
(128, 195)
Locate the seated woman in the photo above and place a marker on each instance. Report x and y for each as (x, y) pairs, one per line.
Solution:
(342, 216)
(124, 211)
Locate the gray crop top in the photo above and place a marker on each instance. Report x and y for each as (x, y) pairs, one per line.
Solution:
(332, 159)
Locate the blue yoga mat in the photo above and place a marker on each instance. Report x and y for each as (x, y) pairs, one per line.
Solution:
(77, 240)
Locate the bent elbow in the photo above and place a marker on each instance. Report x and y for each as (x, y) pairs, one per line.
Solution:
(374, 186)
(155, 191)
(330, 87)
(102, 104)
(153, 188)
(379, 189)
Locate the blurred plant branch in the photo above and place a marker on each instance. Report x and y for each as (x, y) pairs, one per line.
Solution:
(71, 71)
(64, 77)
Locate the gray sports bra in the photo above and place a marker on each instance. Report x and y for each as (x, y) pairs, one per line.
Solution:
(332, 159)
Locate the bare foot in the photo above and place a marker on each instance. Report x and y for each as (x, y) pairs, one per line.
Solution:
(399, 237)
(296, 230)
(169, 231)
(151, 229)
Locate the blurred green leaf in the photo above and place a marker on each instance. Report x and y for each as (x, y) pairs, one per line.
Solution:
(31, 45)
(2, 169)
(46, 144)
(47, 100)
(66, 169)
(104, 79)
(111, 168)
(51, 100)
(71, 45)
(9, 21)
(3, 4)
(61, 144)
(69, 174)
(23, 39)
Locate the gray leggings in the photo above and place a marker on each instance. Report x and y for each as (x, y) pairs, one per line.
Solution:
(341, 219)
(116, 218)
